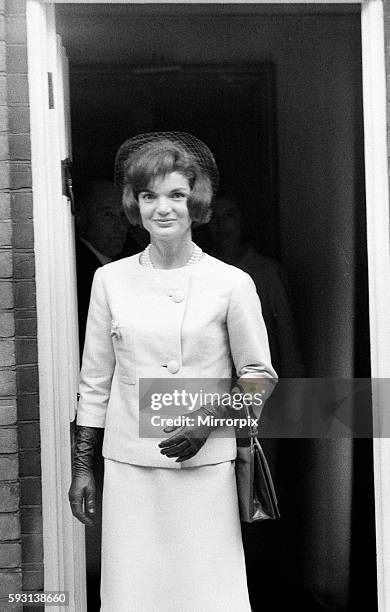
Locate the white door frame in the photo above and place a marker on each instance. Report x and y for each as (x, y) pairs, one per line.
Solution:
(378, 247)
(63, 537)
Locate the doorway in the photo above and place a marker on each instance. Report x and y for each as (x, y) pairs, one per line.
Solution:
(315, 186)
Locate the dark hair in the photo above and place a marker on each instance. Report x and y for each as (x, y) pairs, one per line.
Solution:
(159, 159)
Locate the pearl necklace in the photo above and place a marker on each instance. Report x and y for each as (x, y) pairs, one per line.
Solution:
(196, 256)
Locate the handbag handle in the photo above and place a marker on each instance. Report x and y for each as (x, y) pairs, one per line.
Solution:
(253, 431)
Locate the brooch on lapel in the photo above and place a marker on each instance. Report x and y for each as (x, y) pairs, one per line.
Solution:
(115, 330)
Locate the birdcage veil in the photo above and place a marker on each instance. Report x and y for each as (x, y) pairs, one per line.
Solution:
(192, 145)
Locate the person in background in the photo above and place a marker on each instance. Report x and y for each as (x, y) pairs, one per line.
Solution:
(227, 234)
(101, 233)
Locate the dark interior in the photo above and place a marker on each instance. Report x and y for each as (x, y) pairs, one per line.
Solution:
(199, 99)
(276, 93)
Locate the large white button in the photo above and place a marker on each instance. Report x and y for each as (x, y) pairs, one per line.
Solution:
(173, 366)
(177, 295)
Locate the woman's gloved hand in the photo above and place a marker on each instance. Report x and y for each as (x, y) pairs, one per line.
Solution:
(190, 438)
(82, 492)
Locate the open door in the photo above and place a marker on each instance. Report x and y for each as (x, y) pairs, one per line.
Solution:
(56, 299)
(58, 351)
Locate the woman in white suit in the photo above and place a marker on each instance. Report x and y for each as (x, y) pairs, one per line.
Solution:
(171, 538)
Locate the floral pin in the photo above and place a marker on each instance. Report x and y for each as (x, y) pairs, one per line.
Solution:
(115, 330)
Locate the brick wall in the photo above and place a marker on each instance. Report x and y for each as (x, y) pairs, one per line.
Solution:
(21, 550)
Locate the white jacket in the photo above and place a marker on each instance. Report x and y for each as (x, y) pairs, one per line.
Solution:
(188, 322)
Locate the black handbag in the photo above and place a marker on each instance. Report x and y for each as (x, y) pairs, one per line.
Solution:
(256, 492)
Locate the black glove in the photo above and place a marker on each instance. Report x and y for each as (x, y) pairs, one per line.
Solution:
(82, 490)
(190, 438)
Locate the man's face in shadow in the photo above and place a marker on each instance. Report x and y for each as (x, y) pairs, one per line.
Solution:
(102, 220)
(226, 223)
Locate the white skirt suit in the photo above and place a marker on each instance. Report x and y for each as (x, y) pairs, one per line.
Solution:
(171, 538)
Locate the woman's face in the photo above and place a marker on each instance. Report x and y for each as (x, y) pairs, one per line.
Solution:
(163, 207)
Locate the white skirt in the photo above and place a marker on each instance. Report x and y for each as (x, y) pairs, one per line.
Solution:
(171, 540)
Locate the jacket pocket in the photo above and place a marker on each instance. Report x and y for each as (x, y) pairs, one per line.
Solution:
(123, 342)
